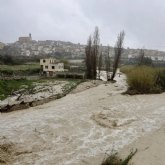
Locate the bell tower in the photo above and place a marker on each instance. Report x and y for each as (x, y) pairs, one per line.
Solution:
(30, 36)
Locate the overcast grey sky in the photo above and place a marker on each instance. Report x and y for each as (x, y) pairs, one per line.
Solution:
(73, 20)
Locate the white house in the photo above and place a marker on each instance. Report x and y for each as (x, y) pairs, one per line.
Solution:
(50, 66)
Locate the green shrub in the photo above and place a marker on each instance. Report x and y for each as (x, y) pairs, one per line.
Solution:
(7, 72)
(160, 81)
(142, 79)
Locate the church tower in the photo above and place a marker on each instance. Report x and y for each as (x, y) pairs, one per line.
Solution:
(30, 36)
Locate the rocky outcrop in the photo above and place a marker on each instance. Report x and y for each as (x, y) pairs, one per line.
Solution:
(40, 94)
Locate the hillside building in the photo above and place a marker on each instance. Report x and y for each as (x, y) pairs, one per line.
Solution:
(50, 66)
(2, 45)
(27, 39)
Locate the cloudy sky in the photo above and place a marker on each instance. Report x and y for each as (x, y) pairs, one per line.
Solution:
(73, 20)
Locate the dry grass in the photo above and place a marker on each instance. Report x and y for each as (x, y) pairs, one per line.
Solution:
(114, 159)
(127, 68)
(143, 79)
(6, 153)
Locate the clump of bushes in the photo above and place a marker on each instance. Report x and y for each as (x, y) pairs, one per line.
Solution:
(160, 81)
(144, 79)
(114, 159)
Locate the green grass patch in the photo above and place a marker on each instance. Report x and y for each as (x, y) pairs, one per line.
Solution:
(20, 67)
(72, 83)
(7, 87)
(26, 69)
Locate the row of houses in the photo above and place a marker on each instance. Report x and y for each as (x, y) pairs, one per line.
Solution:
(26, 46)
(29, 47)
(152, 57)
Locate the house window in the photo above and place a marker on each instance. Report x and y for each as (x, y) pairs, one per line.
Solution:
(46, 67)
(53, 67)
(44, 61)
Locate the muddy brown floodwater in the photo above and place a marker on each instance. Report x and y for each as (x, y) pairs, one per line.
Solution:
(79, 128)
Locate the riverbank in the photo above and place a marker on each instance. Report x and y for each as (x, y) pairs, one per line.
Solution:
(29, 93)
(151, 148)
(39, 92)
(79, 128)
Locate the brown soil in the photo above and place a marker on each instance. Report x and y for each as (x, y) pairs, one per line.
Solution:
(6, 152)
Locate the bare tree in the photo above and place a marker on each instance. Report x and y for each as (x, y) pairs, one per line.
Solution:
(100, 62)
(95, 52)
(108, 63)
(118, 51)
(92, 52)
(141, 57)
(88, 52)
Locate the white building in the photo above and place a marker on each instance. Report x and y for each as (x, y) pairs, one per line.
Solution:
(2, 45)
(26, 39)
(50, 66)
(27, 52)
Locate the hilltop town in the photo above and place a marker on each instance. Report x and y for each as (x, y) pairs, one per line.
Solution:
(26, 46)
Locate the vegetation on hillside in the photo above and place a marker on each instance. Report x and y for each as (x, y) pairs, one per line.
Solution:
(26, 69)
(6, 59)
